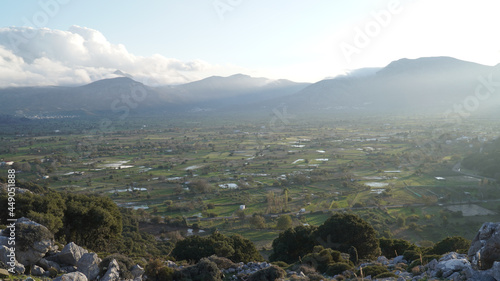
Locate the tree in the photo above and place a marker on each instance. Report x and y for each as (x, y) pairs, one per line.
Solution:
(235, 248)
(258, 221)
(392, 247)
(292, 244)
(284, 222)
(341, 231)
(451, 244)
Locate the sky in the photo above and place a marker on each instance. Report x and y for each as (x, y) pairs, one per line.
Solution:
(158, 42)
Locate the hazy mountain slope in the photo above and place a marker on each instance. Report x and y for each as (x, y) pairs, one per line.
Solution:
(120, 95)
(234, 89)
(419, 86)
(425, 85)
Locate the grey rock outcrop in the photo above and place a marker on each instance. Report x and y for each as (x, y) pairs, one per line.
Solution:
(7, 258)
(88, 264)
(113, 273)
(37, 270)
(137, 271)
(485, 247)
(450, 264)
(73, 276)
(46, 264)
(36, 241)
(70, 254)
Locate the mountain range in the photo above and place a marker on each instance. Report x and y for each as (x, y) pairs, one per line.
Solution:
(407, 86)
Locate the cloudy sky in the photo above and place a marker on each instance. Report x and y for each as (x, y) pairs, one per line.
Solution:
(69, 42)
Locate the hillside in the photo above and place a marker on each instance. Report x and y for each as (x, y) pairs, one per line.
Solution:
(418, 86)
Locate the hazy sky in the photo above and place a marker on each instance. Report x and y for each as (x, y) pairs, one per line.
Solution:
(177, 41)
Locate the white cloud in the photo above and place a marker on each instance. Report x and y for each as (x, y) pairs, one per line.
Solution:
(81, 55)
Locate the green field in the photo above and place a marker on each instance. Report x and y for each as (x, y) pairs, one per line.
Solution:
(205, 173)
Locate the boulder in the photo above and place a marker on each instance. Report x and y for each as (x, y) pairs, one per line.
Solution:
(35, 241)
(70, 254)
(88, 264)
(137, 271)
(495, 269)
(4, 273)
(73, 276)
(485, 247)
(8, 260)
(4, 240)
(452, 263)
(46, 264)
(37, 271)
(113, 273)
(383, 260)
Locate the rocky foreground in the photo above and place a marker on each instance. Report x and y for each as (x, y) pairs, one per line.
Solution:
(41, 258)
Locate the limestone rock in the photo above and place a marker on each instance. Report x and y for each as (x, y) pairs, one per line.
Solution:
(113, 273)
(37, 271)
(46, 264)
(485, 247)
(137, 271)
(36, 241)
(4, 273)
(70, 254)
(451, 263)
(9, 261)
(88, 264)
(496, 270)
(73, 276)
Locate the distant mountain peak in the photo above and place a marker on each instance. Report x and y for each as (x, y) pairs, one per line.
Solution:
(121, 73)
(117, 81)
(427, 64)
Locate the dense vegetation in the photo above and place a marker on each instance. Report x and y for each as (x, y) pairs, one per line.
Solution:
(305, 196)
(92, 221)
(486, 162)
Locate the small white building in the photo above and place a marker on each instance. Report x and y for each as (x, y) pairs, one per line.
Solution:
(242, 207)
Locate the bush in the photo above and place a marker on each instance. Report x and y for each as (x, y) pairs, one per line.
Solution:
(166, 273)
(451, 244)
(292, 244)
(321, 258)
(387, 275)
(270, 273)
(314, 276)
(342, 231)
(372, 270)
(235, 248)
(337, 268)
(125, 263)
(390, 247)
(205, 270)
(153, 269)
(222, 263)
(281, 264)
(411, 255)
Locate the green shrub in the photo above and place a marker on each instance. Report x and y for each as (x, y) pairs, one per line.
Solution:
(270, 273)
(125, 264)
(411, 255)
(343, 231)
(451, 244)
(204, 270)
(372, 270)
(166, 274)
(391, 247)
(281, 264)
(387, 275)
(222, 263)
(321, 258)
(338, 268)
